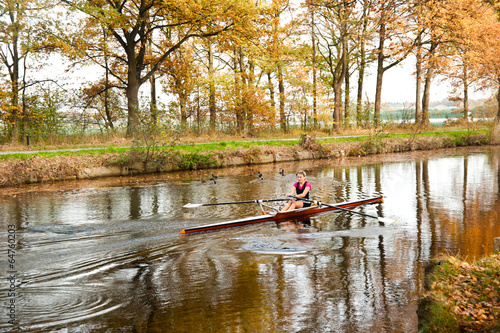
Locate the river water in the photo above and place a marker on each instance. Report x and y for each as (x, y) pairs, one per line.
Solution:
(106, 255)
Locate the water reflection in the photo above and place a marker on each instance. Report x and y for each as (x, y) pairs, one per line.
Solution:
(106, 254)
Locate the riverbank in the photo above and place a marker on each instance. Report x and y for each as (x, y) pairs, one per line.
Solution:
(461, 297)
(17, 169)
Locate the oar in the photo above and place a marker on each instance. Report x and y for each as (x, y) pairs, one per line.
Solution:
(381, 219)
(231, 203)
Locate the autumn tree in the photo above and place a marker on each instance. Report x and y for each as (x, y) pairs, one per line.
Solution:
(476, 34)
(280, 44)
(248, 100)
(344, 34)
(486, 48)
(312, 12)
(181, 72)
(278, 7)
(430, 58)
(211, 83)
(461, 76)
(209, 67)
(205, 73)
(495, 65)
(417, 17)
(451, 31)
(363, 55)
(395, 42)
(21, 34)
(134, 23)
(333, 46)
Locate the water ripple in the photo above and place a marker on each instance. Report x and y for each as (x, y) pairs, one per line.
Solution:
(49, 306)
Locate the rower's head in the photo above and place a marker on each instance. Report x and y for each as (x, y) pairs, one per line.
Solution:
(301, 176)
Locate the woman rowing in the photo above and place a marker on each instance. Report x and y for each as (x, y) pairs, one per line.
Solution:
(302, 189)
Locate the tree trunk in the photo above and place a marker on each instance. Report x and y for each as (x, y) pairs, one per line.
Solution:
(426, 97)
(198, 112)
(238, 94)
(496, 126)
(359, 99)
(380, 74)
(211, 99)
(347, 99)
(23, 107)
(337, 90)
(281, 90)
(250, 90)
(362, 64)
(107, 109)
(152, 82)
(15, 104)
(271, 97)
(378, 90)
(183, 110)
(132, 92)
(339, 75)
(427, 87)
(15, 88)
(418, 92)
(466, 93)
(154, 108)
(498, 101)
(315, 88)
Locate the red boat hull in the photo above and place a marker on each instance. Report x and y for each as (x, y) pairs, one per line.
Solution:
(278, 216)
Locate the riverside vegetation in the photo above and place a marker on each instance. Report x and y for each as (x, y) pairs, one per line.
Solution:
(153, 152)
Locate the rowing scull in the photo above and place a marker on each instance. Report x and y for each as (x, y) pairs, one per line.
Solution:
(278, 215)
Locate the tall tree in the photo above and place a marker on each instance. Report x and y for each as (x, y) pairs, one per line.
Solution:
(211, 83)
(363, 35)
(333, 47)
(485, 50)
(11, 31)
(452, 28)
(417, 17)
(20, 37)
(277, 9)
(460, 78)
(311, 7)
(429, 75)
(433, 35)
(394, 43)
(179, 68)
(280, 29)
(474, 30)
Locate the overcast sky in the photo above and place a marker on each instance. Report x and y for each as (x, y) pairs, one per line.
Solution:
(399, 85)
(398, 82)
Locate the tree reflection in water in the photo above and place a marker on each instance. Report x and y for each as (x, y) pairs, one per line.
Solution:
(107, 255)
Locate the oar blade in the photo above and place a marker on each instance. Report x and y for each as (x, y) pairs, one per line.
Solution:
(384, 220)
(380, 219)
(192, 205)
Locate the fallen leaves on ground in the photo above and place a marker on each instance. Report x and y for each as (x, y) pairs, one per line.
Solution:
(470, 291)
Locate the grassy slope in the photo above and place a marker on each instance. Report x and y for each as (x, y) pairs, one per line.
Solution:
(235, 145)
(48, 166)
